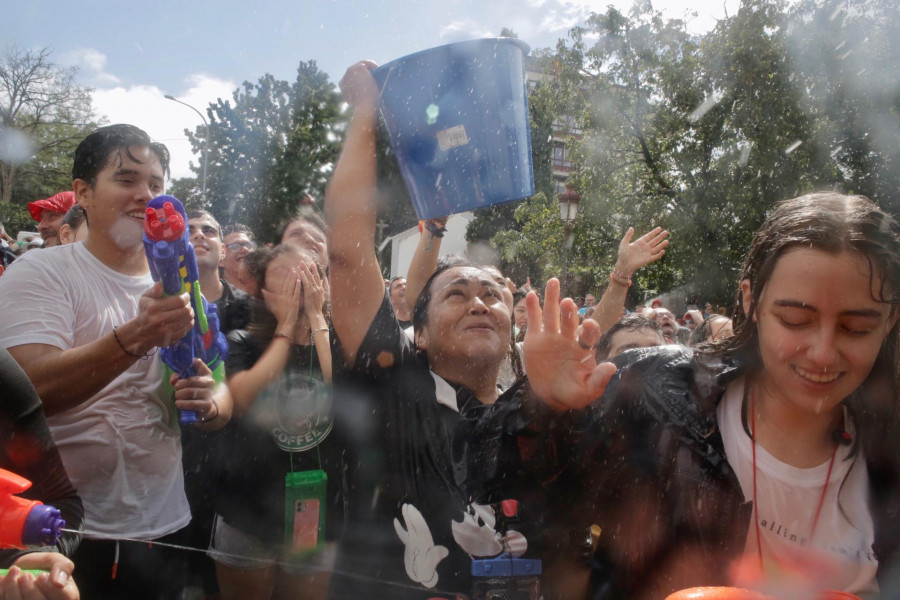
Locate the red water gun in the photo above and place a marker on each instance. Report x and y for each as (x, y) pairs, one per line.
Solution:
(25, 523)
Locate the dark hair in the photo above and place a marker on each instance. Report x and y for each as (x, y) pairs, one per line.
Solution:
(262, 322)
(307, 214)
(393, 279)
(93, 153)
(518, 296)
(200, 214)
(833, 223)
(74, 217)
(238, 228)
(704, 331)
(830, 222)
(420, 310)
(632, 322)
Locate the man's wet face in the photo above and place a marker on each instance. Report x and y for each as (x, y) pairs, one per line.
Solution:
(468, 318)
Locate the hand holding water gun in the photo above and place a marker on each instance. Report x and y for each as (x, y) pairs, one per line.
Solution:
(172, 261)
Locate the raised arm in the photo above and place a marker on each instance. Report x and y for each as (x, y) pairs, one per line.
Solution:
(424, 259)
(632, 256)
(357, 287)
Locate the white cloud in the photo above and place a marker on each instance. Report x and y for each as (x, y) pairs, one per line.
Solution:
(466, 29)
(453, 27)
(164, 120)
(91, 63)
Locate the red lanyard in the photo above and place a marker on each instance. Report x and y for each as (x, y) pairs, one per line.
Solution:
(756, 505)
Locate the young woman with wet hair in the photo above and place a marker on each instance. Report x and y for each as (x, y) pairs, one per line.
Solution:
(775, 448)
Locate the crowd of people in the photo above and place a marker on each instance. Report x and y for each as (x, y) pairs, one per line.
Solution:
(380, 436)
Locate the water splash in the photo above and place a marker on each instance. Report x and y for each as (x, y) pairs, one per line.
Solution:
(704, 108)
(793, 146)
(16, 148)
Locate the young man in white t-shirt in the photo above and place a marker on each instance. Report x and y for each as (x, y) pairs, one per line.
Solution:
(85, 330)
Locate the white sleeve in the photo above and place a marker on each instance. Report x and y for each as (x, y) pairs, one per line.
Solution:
(38, 305)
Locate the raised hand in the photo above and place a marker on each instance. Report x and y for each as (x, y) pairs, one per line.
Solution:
(560, 364)
(314, 290)
(643, 251)
(285, 304)
(358, 87)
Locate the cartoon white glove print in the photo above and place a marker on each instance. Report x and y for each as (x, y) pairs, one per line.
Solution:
(421, 556)
(476, 534)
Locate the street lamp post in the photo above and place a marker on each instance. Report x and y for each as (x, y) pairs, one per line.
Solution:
(205, 142)
(568, 210)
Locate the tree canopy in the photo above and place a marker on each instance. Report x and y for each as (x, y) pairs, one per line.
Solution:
(703, 134)
(44, 114)
(269, 146)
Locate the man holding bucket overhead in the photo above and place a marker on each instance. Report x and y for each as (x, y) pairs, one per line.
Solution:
(411, 531)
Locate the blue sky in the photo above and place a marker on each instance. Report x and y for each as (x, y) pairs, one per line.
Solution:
(133, 53)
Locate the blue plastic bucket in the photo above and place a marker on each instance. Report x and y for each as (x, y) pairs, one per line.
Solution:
(457, 117)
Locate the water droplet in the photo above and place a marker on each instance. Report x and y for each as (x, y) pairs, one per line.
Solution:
(793, 147)
(431, 113)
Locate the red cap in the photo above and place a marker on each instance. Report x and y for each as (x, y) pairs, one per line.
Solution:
(60, 203)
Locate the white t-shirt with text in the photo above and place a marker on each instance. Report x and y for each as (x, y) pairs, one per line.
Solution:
(840, 554)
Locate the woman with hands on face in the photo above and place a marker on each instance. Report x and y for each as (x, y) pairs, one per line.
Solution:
(278, 370)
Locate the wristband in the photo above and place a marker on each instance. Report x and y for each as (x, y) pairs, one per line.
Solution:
(282, 336)
(436, 230)
(620, 279)
(319, 330)
(124, 349)
(215, 416)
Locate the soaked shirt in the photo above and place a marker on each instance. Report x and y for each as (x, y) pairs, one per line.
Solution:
(121, 447)
(289, 427)
(410, 531)
(839, 551)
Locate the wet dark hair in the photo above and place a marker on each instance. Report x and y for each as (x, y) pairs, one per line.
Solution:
(238, 228)
(74, 217)
(632, 322)
(199, 214)
(833, 223)
(93, 153)
(703, 331)
(262, 322)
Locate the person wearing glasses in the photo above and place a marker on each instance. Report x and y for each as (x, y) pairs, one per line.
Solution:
(239, 241)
